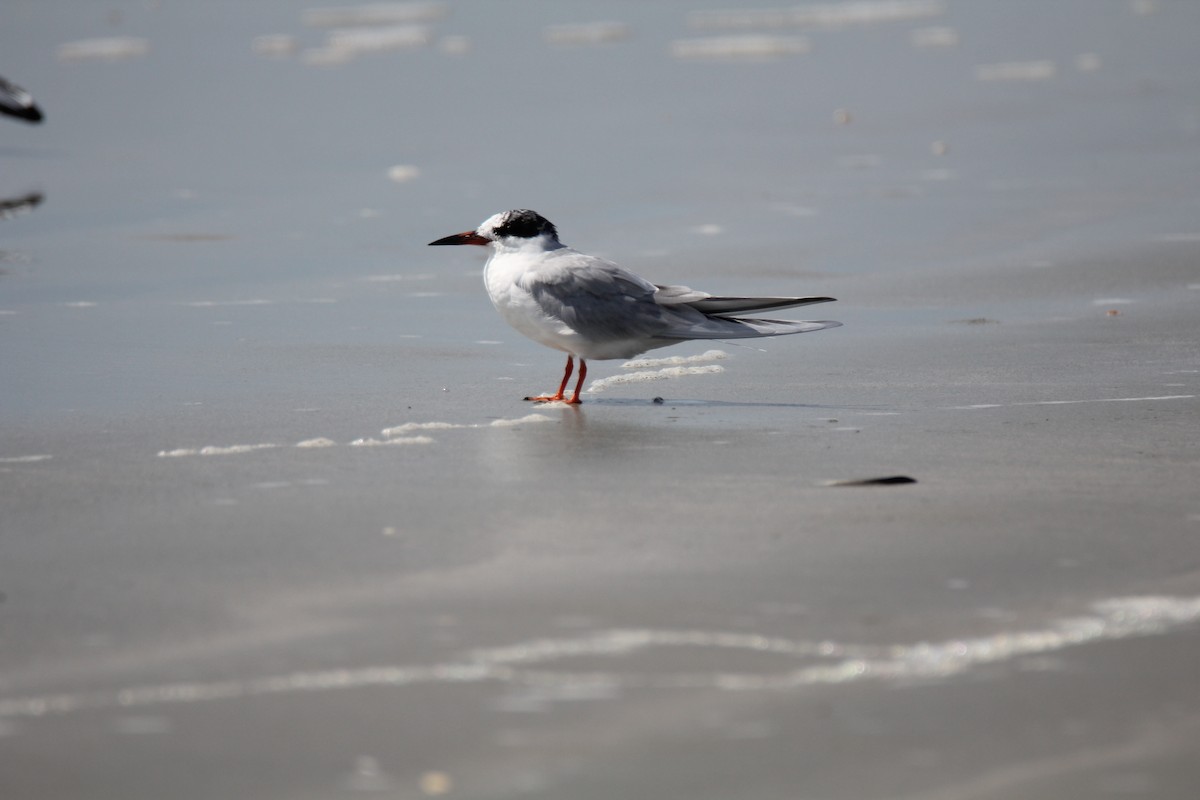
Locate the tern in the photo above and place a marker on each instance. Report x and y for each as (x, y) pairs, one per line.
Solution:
(16, 102)
(593, 309)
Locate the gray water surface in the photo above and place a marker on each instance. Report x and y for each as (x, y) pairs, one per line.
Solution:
(275, 522)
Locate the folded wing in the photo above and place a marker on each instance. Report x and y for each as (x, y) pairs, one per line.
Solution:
(605, 303)
(723, 306)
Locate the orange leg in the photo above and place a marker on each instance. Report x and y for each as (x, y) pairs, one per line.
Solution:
(562, 387)
(579, 383)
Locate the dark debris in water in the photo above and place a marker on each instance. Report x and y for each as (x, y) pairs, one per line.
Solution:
(890, 480)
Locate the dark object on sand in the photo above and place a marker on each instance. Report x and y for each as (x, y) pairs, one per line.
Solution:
(16, 102)
(890, 480)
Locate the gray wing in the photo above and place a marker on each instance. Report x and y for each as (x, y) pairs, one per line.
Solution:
(604, 302)
(598, 299)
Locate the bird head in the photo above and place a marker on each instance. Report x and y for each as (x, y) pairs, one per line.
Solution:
(514, 229)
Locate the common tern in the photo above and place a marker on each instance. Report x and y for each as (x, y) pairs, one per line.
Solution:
(16, 102)
(590, 308)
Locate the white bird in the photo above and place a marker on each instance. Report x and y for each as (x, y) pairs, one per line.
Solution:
(590, 308)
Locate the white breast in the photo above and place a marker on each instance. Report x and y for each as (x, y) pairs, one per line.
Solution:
(502, 277)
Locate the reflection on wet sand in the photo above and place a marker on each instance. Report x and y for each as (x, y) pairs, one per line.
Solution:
(21, 204)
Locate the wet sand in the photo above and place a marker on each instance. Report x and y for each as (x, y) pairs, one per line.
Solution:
(276, 523)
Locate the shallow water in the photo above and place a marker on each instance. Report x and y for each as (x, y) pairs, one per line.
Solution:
(200, 190)
(274, 514)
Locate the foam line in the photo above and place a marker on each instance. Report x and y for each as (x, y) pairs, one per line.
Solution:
(212, 450)
(655, 375)
(676, 361)
(399, 440)
(320, 441)
(1074, 402)
(112, 48)
(820, 662)
(739, 47)
(819, 15)
(392, 436)
(409, 427)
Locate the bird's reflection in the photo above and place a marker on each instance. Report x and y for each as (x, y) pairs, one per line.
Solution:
(18, 103)
(21, 204)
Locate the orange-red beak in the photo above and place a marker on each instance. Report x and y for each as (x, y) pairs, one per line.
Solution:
(466, 237)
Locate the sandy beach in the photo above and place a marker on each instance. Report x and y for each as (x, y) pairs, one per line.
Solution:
(276, 523)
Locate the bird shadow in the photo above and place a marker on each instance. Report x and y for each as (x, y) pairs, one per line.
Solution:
(699, 403)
